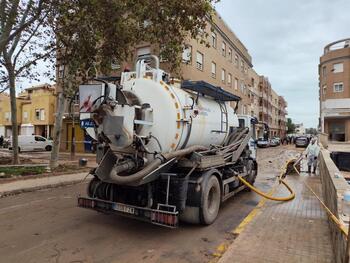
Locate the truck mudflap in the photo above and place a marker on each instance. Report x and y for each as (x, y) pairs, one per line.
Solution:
(164, 215)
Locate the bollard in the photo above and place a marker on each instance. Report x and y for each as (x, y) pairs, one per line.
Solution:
(82, 162)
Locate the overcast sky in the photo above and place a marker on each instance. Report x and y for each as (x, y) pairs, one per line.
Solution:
(286, 39)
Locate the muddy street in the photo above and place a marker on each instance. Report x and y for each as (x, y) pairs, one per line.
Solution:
(47, 226)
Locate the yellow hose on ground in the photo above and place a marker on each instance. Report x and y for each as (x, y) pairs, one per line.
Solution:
(270, 197)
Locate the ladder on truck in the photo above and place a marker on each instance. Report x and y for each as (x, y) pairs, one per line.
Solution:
(219, 156)
(224, 118)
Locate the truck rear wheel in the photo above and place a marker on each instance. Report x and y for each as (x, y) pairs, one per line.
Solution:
(251, 173)
(211, 199)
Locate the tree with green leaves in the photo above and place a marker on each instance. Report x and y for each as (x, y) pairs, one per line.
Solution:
(91, 35)
(290, 126)
(23, 28)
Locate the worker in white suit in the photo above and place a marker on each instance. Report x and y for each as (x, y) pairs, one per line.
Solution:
(311, 153)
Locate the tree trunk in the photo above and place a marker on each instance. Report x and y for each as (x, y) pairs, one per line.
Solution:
(12, 82)
(57, 131)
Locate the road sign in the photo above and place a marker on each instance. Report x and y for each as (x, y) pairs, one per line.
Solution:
(87, 123)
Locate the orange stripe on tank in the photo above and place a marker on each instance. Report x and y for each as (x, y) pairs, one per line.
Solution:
(176, 136)
(176, 105)
(173, 146)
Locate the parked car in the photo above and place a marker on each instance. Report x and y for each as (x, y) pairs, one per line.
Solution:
(302, 141)
(6, 142)
(278, 139)
(263, 143)
(275, 142)
(32, 143)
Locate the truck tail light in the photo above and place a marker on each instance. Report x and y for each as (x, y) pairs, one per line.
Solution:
(87, 203)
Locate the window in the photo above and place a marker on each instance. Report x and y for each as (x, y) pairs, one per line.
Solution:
(213, 39)
(230, 54)
(324, 90)
(213, 70)
(242, 65)
(236, 84)
(199, 61)
(338, 67)
(223, 75)
(187, 55)
(244, 109)
(338, 87)
(37, 114)
(7, 116)
(324, 71)
(242, 87)
(40, 139)
(142, 51)
(42, 114)
(223, 49)
(25, 116)
(236, 60)
(229, 79)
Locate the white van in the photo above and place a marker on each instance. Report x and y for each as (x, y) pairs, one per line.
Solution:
(32, 143)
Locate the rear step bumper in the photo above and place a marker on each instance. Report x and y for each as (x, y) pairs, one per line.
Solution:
(164, 216)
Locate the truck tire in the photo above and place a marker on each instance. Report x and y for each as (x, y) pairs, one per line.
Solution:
(252, 173)
(211, 199)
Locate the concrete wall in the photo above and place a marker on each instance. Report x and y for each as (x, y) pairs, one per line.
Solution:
(323, 139)
(333, 189)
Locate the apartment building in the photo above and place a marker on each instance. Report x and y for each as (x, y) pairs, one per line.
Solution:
(282, 119)
(334, 90)
(272, 108)
(36, 107)
(300, 129)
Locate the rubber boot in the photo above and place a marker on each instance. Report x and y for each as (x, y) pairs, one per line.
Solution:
(314, 170)
(309, 169)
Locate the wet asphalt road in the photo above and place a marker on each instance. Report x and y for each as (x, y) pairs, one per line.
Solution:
(46, 226)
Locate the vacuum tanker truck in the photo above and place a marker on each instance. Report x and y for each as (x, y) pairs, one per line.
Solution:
(167, 150)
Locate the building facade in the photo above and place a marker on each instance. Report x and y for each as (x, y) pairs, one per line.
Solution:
(36, 107)
(334, 90)
(272, 108)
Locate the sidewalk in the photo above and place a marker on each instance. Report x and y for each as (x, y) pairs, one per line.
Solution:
(29, 185)
(295, 231)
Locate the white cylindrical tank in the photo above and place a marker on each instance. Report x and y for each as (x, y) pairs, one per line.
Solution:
(174, 118)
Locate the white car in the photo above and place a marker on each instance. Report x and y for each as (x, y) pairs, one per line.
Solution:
(32, 143)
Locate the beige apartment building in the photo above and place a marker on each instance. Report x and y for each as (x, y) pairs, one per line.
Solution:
(36, 107)
(272, 108)
(334, 85)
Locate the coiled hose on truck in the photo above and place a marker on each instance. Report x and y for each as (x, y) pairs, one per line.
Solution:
(152, 165)
(281, 181)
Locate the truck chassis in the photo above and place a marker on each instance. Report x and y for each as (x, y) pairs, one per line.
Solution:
(190, 189)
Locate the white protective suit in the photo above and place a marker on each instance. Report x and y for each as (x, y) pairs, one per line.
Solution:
(312, 151)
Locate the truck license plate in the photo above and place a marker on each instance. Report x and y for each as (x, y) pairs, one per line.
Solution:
(124, 209)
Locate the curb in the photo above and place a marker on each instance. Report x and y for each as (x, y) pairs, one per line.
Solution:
(37, 188)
